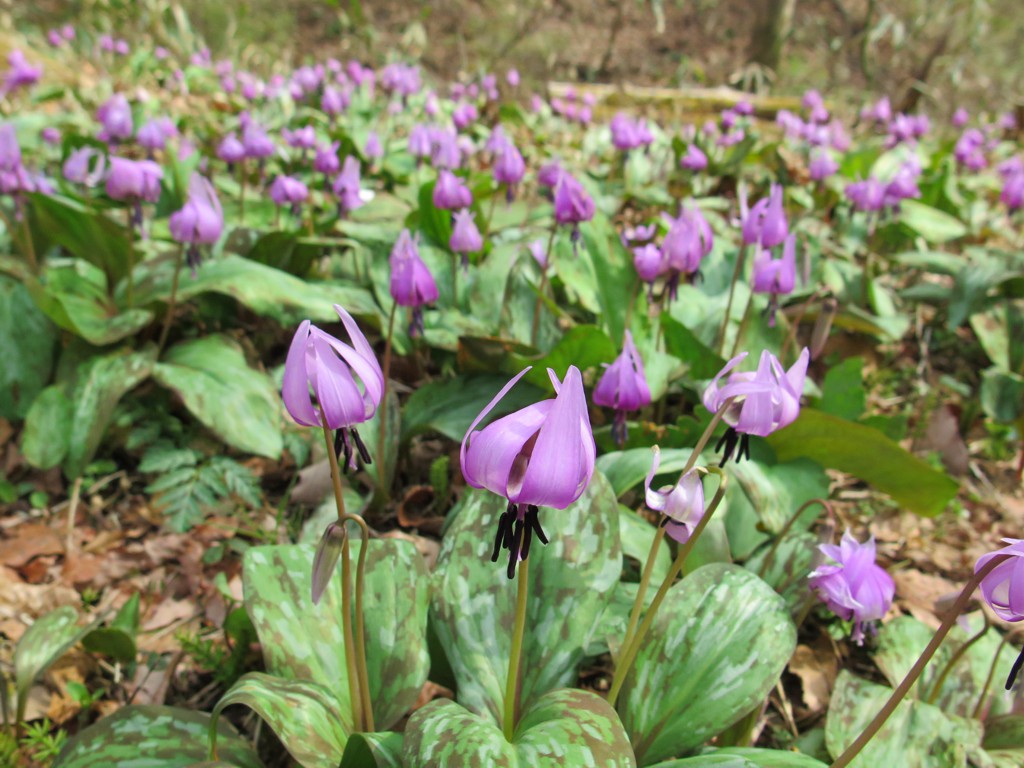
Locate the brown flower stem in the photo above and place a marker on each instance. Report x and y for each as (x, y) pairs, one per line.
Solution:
(709, 430)
(795, 324)
(515, 655)
(744, 322)
(736, 273)
(171, 302)
(383, 407)
(360, 629)
(543, 285)
(915, 672)
(629, 655)
(769, 558)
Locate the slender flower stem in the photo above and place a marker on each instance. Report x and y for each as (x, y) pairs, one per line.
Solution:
(769, 558)
(383, 408)
(709, 430)
(958, 654)
(519, 628)
(736, 273)
(360, 629)
(915, 672)
(543, 285)
(171, 302)
(976, 714)
(352, 673)
(130, 287)
(30, 248)
(629, 655)
(744, 321)
(641, 588)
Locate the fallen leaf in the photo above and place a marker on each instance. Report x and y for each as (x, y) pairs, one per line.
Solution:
(313, 485)
(414, 510)
(20, 600)
(28, 542)
(817, 668)
(922, 593)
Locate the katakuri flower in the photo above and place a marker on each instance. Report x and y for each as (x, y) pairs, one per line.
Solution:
(759, 402)
(694, 159)
(776, 277)
(347, 186)
(682, 503)
(855, 588)
(345, 379)
(466, 238)
(412, 285)
(1003, 588)
(134, 180)
(451, 192)
(540, 456)
(623, 386)
(200, 221)
(572, 204)
(115, 115)
(286, 190)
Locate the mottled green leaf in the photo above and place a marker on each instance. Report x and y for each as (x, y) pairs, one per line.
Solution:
(702, 362)
(920, 734)
(562, 728)
(1005, 733)
(88, 235)
(305, 642)
(118, 639)
(933, 225)
(264, 290)
(305, 716)
(44, 440)
(44, 642)
(571, 582)
(373, 750)
(1002, 395)
(866, 453)
(744, 757)
(27, 341)
(240, 404)
(715, 650)
(155, 737)
(615, 280)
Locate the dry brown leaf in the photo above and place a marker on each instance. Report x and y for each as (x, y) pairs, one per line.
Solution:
(29, 541)
(920, 594)
(414, 510)
(313, 485)
(18, 599)
(817, 668)
(167, 612)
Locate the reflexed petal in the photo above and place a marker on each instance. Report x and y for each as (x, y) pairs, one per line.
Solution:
(336, 391)
(712, 397)
(495, 458)
(295, 385)
(468, 473)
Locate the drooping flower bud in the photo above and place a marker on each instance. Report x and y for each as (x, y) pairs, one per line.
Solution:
(623, 386)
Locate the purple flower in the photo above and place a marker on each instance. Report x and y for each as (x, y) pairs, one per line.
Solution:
(762, 401)
(200, 221)
(1003, 588)
(623, 386)
(765, 223)
(689, 239)
(512, 77)
(334, 101)
(649, 262)
(465, 237)
(412, 285)
(10, 149)
(50, 135)
(257, 144)
(450, 192)
(866, 195)
(627, 133)
(572, 203)
(231, 150)
(445, 152)
(464, 114)
(970, 150)
(775, 277)
(822, 165)
(960, 118)
(326, 160)
(286, 190)
(420, 143)
(903, 185)
(856, 587)
(116, 117)
(550, 174)
(134, 180)
(154, 134)
(21, 74)
(85, 166)
(694, 159)
(539, 252)
(301, 138)
(879, 112)
(509, 167)
(682, 503)
(541, 455)
(373, 148)
(1012, 194)
(346, 186)
(345, 379)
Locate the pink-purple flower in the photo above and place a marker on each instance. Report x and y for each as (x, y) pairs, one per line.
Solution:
(540, 455)
(134, 180)
(854, 588)
(465, 238)
(451, 192)
(682, 503)
(412, 285)
(623, 386)
(776, 277)
(200, 221)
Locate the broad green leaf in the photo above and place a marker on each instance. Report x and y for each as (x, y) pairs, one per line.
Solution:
(44, 642)
(88, 235)
(373, 750)
(304, 715)
(286, 251)
(571, 582)
(238, 403)
(99, 385)
(701, 361)
(585, 346)
(44, 440)
(118, 639)
(1005, 733)
(716, 648)
(155, 737)
(448, 406)
(843, 390)
(866, 453)
(27, 340)
(921, 734)
(1002, 395)
(744, 757)
(264, 290)
(562, 728)
(305, 642)
(933, 225)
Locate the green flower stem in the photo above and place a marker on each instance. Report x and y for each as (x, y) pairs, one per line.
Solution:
(958, 654)
(629, 655)
(976, 714)
(543, 285)
(512, 682)
(770, 557)
(382, 409)
(360, 629)
(645, 577)
(741, 259)
(172, 302)
(30, 248)
(915, 672)
(744, 322)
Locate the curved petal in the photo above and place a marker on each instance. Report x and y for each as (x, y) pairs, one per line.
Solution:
(295, 385)
(499, 453)
(655, 499)
(711, 398)
(336, 391)
(480, 417)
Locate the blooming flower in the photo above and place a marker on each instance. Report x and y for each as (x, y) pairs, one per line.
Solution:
(623, 386)
(116, 117)
(231, 150)
(761, 402)
(465, 237)
(775, 277)
(301, 138)
(765, 222)
(326, 159)
(412, 285)
(649, 262)
(450, 192)
(541, 455)
(373, 149)
(134, 180)
(855, 587)
(572, 203)
(258, 145)
(201, 220)
(822, 165)
(345, 379)
(154, 134)
(694, 159)
(21, 74)
(682, 503)
(346, 186)
(1003, 588)
(288, 191)
(509, 167)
